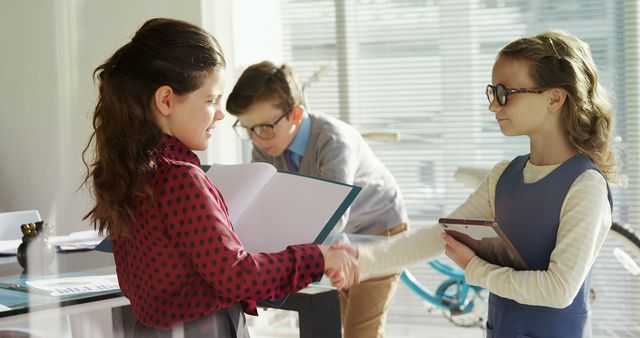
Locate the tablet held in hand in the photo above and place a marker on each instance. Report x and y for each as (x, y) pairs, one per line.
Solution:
(486, 239)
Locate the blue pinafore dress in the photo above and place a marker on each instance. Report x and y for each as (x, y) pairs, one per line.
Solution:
(529, 214)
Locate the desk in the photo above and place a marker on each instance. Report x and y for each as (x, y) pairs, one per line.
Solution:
(318, 307)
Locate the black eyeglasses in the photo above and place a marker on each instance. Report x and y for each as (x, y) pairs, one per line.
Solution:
(501, 93)
(263, 131)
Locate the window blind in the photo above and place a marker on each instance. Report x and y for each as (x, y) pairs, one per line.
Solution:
(419, 68)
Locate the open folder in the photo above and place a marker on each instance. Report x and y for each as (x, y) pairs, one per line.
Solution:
(486, 239)
(270, 210)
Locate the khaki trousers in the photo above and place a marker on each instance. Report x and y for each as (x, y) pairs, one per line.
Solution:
(364, 307)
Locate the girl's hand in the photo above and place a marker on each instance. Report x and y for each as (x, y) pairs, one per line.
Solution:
(457, 251)
(334, 276)
(340, 266)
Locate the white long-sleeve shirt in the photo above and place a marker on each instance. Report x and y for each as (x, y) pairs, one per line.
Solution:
(585, 218)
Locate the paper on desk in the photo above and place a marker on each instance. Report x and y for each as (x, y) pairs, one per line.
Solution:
(76, 285)
(9, 247)
(80, 240)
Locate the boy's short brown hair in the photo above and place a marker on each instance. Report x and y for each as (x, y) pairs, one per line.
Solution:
(261, 82)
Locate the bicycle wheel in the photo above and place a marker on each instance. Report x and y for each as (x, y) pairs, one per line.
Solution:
(615, 285)
(438, 290)
(477, 316)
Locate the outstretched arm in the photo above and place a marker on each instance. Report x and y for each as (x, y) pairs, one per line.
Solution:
(389, 257)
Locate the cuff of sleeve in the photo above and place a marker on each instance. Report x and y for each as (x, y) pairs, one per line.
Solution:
(307, 262)
(316, 261)
(473, 272)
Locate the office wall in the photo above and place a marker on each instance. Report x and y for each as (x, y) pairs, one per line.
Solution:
(29, 111)
(48, 52)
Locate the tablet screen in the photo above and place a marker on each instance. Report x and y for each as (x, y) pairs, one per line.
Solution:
(477, 232)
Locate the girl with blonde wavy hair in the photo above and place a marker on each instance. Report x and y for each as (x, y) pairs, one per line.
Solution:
(553, 203)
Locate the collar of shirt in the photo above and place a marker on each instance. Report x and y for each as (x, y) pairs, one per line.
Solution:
(299, 143)
(174, 150)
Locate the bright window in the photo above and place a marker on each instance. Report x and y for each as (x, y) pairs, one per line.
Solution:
(419, 68)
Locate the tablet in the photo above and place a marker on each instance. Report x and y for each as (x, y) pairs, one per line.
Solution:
(486, 239)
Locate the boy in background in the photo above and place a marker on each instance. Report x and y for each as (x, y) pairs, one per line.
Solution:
(271, 112)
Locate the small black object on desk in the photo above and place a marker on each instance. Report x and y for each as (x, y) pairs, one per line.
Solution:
(35, 244)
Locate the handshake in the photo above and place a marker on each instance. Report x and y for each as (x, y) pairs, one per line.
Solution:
(341, 264)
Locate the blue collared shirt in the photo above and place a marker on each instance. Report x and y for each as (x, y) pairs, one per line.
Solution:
(299, 143)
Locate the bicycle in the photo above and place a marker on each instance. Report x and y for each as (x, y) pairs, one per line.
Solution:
(618, 260)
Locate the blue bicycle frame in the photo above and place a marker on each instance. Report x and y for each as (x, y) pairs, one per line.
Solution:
(451, 295)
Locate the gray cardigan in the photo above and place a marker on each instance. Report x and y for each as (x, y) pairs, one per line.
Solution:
(336, 151)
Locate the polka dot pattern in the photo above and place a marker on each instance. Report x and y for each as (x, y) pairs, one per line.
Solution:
(182, 259)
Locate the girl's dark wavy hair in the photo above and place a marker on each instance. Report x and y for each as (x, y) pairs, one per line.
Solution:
(162, 52)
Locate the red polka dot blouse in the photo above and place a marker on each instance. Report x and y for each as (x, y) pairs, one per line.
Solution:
(182, 259)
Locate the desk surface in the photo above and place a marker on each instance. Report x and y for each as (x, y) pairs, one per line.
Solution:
(87, 263)
(318, 307)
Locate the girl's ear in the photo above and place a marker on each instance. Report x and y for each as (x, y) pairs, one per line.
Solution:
(297, 112)
(163, 100)
(556, 99)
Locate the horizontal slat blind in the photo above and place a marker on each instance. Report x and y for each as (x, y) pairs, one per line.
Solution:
(419, 68)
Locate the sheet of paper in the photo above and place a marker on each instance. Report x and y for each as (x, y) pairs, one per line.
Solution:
(9, 247)
(80, 240)
(291, 210)
(76, 285)
(240, 184)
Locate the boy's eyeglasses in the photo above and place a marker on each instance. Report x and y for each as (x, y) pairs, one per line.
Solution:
(263, 131)
(501, 93)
